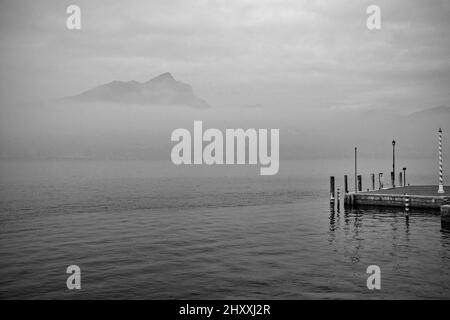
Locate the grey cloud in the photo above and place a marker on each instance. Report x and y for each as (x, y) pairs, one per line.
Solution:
(306, 53)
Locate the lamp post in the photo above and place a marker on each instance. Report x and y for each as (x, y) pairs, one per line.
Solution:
(441, 180)
(393, 163)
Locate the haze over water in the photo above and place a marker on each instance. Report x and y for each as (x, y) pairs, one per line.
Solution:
(79, 106)
(143, 229)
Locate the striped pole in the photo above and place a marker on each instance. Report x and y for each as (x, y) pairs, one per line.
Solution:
(441, 180)
(407, 204)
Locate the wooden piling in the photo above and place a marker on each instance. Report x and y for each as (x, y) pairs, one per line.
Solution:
(345, 184)
(380, 180)
(372, 177)
(332, 190)
(359, 183)
(400, 179)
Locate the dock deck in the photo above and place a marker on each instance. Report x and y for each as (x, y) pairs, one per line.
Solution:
(426, 191)
(424, 197)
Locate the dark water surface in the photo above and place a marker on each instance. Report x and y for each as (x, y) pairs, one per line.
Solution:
(141, 229)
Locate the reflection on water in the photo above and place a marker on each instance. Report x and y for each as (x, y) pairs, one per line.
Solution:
(399, 243)
(139, 232)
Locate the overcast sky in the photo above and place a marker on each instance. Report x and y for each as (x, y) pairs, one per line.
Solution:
(307, 54)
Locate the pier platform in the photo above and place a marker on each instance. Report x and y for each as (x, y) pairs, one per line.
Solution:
(423, 197)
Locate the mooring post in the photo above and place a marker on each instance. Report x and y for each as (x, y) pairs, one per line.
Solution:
(404, 176)
(359, 183)
(380, 180)
(441, 180)
(332, 191)
(372, 176)
(400, 179)
(392, 179)
(345, 184)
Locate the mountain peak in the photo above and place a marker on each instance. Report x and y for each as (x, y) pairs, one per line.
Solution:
(166, 76)
(161, 90)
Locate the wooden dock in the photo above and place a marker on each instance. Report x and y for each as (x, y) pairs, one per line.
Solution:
(400, 194)
(422, 197)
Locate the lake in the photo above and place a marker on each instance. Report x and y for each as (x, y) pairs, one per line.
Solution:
(152, 230)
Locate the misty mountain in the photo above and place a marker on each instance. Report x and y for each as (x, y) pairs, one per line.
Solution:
(161, 90)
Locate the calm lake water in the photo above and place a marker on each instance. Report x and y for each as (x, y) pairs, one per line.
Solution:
(143, 229)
